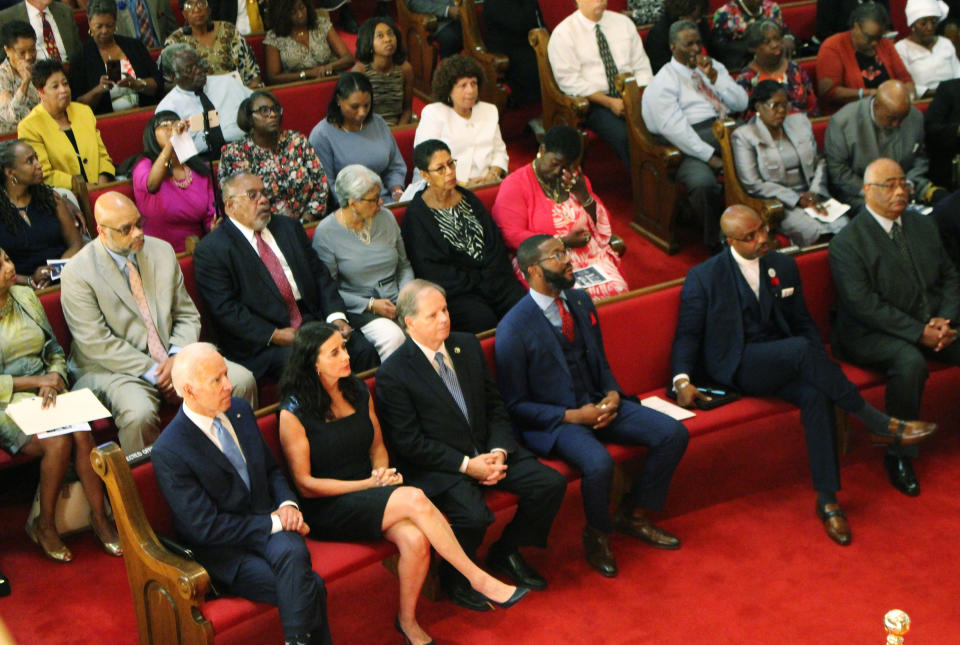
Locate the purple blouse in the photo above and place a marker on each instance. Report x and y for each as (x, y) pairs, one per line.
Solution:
(173, 213)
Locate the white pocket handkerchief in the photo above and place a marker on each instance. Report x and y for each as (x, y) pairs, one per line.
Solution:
(786, 292)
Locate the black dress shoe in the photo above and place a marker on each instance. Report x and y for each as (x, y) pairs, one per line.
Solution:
(900, 472)
(599, 556)
(512, 565)
(467, 597)
(4, 585)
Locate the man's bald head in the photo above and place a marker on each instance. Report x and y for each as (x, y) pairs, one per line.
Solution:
(118, 223)
(745, 231)
(891, 104)
(885, 188)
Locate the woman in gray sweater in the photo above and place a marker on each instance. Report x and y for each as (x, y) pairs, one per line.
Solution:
(363, 250)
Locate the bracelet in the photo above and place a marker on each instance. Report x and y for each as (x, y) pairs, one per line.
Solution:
(370, 304)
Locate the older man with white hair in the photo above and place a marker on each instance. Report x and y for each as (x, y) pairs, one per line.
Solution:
(231, 502)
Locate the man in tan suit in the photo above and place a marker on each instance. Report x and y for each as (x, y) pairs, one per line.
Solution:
(129, 313)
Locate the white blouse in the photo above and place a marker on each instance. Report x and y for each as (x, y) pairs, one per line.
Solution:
(475, 143)
(929, 67)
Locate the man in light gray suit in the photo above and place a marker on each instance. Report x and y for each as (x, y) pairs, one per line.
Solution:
(65, 31)
(129, 313)
(884, 125)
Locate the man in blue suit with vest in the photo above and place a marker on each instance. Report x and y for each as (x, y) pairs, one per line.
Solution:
(744, 324)
(565, 401)
(230, 500)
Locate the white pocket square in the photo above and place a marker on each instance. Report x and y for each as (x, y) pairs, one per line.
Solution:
(787, 292)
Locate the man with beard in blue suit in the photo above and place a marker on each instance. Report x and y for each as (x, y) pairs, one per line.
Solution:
(744, 324)
(565, 401)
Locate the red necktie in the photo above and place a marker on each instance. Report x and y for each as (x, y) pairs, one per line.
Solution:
(566, 320)
(272, 262)
(49, 40)
(710, 95)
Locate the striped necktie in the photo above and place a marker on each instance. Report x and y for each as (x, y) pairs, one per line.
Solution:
(154, 345)
(143, 25)
(232, 451)
(449, 379)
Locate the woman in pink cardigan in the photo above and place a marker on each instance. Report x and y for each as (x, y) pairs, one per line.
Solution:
(551, 196)
(852, 64)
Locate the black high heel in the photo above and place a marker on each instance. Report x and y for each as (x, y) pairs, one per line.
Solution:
(396, 623)
(517, 596)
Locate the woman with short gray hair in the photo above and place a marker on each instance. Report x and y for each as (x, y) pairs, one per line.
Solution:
(363, 250)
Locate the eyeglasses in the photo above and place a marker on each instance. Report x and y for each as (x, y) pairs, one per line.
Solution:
(891, 185)
(777, 105)
(559, 256)
(253, 195)
(194, 4)
(450, 165)
(750, 237)
(165, 125)
(267, 110)
(127, 228)
(373, 200)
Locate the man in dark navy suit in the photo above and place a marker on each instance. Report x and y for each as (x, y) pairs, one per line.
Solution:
(565, 401)
(744, 324)
(444, 420)
(230, 500)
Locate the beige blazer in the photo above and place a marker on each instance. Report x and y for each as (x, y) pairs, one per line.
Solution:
(109, 335)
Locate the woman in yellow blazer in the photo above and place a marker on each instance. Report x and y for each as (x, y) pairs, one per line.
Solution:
(63, 132)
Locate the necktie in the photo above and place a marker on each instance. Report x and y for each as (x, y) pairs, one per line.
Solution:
(566, 320)
(450, 380)
(897, 234)
(272, 262)
(144, 26)
(154, 345)
(710, 95)
(49, 40)
(609, 65)
(214, 135)
(232, 451)
(253, 14)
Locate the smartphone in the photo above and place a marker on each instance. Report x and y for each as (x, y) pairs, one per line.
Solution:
(113, 69)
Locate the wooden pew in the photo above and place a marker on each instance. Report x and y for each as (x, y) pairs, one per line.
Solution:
(653, 168)
(557, 107)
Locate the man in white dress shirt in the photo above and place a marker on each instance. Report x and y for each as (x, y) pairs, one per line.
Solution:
(210, 103)
(681, 104)
(62, 42)
(587, 50)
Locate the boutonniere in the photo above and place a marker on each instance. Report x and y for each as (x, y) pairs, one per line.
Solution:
(774, 280)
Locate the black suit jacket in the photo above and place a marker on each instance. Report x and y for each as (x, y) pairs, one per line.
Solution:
(62, 15)
(422, 423)
(941, 122)
(874, 290)
(532, 371)
(243, 300)
(86, 70)
(213, 511)
(710, 328)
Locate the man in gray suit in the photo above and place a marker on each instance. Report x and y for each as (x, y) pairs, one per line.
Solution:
(60, 18)
(129, 313)
(883, 125)
(898, 294)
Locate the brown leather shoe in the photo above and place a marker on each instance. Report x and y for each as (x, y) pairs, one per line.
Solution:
(599, 556)
(636, 524)
(904, 433)
(835, 522)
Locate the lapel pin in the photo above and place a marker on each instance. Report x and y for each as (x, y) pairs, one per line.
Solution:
(456, 350)
(772, 272)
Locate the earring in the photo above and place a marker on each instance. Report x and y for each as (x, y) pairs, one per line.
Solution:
(15, 180)
(539, 154)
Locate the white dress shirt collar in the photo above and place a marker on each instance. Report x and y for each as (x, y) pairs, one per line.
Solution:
(205, 424)
(884, 222)
(750, 270)
(431, 353)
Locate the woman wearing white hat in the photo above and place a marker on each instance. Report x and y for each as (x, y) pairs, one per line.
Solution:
(929, 58)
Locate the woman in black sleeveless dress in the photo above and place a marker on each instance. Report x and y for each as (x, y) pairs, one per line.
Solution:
(332, 442)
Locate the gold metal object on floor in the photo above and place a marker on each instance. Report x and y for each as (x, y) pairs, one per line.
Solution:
(897, 623)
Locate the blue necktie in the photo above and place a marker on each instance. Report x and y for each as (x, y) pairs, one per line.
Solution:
(450, 380)
(232, 451)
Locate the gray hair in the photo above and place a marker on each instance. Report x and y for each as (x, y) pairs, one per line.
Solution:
(227, 182)
(355, 181)
(169, 56)
(681, 25)
(408, 301)
(184, 365)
